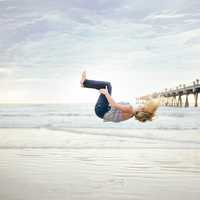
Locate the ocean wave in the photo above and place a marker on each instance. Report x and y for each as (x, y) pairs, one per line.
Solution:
(131, 133)
(69, 124)
(92, 147)
(16, 115)
(46, 114)
(68, 114)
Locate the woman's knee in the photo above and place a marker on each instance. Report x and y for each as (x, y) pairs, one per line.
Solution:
(109, 86)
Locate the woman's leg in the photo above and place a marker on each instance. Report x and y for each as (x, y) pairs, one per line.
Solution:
(97, 85)
(102, 105)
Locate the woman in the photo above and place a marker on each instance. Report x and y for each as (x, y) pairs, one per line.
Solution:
(109, 110)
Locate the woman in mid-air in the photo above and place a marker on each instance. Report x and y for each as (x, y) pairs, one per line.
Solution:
(109, 110)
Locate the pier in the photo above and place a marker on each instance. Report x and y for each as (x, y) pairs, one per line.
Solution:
(174, 97)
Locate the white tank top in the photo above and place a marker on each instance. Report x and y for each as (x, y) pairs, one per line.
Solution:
(114, 115)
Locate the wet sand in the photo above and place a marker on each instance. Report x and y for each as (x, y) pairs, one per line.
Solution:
(86, 164)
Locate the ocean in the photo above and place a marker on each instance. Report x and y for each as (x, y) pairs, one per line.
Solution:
(63, 151)
(59, 116)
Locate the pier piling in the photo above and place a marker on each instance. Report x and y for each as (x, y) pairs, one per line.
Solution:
(186, 101)
(180, 104)
(196, 99)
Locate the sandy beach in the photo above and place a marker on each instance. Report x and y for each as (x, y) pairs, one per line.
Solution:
(78, 80)
(77, 164)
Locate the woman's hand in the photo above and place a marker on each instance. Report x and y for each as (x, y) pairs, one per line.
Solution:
(104, 91)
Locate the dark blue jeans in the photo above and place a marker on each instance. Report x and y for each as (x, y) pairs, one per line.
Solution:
(102, 105)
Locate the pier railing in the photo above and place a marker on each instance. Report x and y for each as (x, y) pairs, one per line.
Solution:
(174, 96)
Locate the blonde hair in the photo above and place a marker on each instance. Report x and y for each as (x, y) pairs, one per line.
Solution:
(150, 107)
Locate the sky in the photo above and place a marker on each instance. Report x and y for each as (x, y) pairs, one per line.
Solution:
(139, 46)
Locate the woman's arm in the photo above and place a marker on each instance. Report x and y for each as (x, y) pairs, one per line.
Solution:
(122, 107)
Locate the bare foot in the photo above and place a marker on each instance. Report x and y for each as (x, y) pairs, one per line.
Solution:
(83, 77)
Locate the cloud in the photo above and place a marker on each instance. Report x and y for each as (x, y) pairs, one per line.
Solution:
(50, 42)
